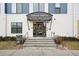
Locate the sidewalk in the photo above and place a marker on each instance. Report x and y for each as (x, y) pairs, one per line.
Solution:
(39, 51)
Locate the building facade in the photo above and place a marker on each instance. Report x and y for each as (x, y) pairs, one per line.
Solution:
(39, 19)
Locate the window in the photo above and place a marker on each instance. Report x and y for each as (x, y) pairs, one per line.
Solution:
(8, 8)
(51, 8)
(63, 8)
(38, 7)
(25, 8)
(57, 8)
(19, 8)
(35, 7)
(41, 7)
(13, 7)
(57, 5)
(16, 27)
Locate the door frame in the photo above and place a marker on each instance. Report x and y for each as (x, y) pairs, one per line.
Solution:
(44, 35)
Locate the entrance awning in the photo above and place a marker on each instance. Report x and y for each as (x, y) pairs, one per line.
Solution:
(39, 16)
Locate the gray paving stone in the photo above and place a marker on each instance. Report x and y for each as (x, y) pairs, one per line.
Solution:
(39, 51)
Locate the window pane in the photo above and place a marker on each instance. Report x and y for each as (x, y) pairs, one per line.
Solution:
(35, 7)
(8, 8)
(51, 8)
(16, 27)
(19, 25)
(13, 30)
(63, 8)
(57, 5)
(19, 8)
(25, 7)
(41, 7)
(19, 30)
(13, 25)
(13, 7)
(57, 10)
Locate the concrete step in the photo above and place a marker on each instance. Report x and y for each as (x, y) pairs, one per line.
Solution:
(39, 45)
(39, 38)
(39, 42)
(32, 42)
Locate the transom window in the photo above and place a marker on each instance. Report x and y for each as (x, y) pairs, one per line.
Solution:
(16, 27)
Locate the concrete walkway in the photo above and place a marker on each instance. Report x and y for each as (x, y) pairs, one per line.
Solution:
(39, 51)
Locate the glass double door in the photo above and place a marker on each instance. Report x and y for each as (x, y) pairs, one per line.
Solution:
(39, 29)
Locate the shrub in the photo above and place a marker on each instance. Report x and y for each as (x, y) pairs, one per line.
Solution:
(0, 38)
(58, 40)
(70, 39)
(13, 38)
(7, 38)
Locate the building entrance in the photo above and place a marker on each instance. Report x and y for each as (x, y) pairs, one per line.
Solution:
(39, 29)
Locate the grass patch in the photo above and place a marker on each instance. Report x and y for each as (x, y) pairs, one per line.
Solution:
(7, 45)
(72, 45)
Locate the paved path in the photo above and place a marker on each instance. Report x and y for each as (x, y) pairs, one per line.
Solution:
(39, 51)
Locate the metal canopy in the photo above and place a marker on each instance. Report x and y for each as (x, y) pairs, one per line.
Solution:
(39, 16)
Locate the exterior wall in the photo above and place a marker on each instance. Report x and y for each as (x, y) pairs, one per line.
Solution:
(2, 21)
(64, 25)
(76, 19)
(27, 28)
(16, 18)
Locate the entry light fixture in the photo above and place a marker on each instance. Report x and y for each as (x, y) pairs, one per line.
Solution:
(54, 18)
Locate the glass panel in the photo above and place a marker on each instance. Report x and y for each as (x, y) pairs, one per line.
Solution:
(57, 10)
(13, 7)
(63, 8)
(35, 7)
(13, 25)
(41, 7)
(8, 8)
(25, 7)
(19, 25)
(51, 8)
(16, 27)
(19, 8)
(57, 5)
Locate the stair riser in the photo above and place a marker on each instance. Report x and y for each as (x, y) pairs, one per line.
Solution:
(40, 46)
(39, 42)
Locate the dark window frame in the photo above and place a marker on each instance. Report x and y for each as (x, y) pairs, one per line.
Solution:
(15, 28)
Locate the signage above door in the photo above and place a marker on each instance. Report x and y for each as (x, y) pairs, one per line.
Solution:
(39, 16)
